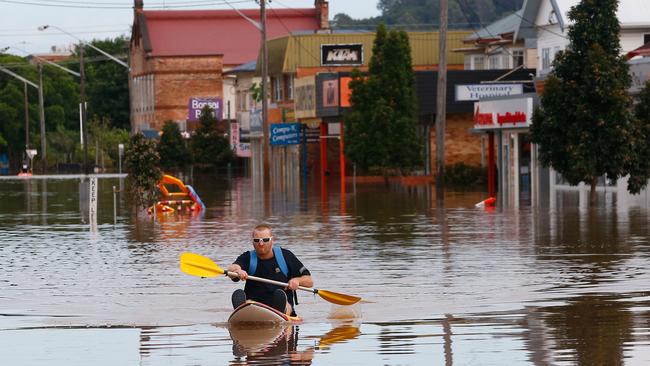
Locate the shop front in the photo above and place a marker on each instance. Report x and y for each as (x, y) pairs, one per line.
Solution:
(512, 166)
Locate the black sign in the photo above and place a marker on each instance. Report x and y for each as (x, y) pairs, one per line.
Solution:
(341, 54)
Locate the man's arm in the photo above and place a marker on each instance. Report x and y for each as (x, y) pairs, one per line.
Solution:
(304, 281)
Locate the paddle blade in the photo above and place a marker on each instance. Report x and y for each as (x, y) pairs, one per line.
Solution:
(198, 265)
(339, 299)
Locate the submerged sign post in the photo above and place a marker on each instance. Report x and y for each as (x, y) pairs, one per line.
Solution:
(285, 134)
(197, 104)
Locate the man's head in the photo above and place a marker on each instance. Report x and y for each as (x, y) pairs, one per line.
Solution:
(263, 241)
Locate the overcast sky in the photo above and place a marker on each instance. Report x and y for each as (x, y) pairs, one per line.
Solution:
(19, 19)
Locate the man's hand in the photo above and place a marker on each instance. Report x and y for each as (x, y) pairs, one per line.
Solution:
(243, 275)
(293, 284)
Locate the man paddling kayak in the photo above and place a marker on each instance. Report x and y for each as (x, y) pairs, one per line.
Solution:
(273, 263)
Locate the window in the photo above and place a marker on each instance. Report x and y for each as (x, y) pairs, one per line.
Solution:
(494, 62)
(289, 79)
(277, 89)
(517, 58)
(479, 62)
(546, 58)
(646, 38)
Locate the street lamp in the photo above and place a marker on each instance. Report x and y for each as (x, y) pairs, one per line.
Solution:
(84, 43)
(82, 84)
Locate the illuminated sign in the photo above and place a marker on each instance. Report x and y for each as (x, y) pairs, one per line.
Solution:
(341, 54)
(503, 113)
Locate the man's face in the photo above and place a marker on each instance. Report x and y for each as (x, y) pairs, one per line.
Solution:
(263, 242)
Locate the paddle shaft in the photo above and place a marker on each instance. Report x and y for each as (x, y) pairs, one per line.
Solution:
(271, 282)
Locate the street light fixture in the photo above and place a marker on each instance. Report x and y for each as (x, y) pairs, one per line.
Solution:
(84, 43)
(82, 86)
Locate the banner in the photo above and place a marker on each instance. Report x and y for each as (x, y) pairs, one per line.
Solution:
(285, 134)
(256, 123)
(196, 105)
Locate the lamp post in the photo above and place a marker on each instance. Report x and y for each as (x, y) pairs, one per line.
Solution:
(82, 84)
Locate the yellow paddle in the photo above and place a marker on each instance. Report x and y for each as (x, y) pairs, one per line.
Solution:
(200, 266)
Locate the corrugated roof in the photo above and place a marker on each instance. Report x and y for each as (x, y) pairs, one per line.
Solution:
(290, 52)
(504, 25)
(247, 67)
(218, 32)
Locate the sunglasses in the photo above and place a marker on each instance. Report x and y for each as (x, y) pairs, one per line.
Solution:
(257, 240)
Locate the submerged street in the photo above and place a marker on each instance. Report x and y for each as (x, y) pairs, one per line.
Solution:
(453, 284)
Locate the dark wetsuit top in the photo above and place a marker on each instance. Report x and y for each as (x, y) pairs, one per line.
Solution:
(269, 269)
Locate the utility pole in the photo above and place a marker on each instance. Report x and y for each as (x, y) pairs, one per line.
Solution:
(26, 119)
(441, 107)
(82, 97)
(265, 108)
(42, 116)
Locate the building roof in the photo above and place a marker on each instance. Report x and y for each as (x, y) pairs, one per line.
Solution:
(217, 32)
(643, 51)
(507, 24)
(286, 54)
(243, 68)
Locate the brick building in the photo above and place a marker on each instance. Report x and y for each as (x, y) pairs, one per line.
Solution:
(176, 55)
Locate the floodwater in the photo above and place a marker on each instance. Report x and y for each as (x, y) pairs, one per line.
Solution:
(452, 284)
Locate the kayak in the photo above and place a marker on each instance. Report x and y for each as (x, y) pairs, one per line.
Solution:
(256, 312)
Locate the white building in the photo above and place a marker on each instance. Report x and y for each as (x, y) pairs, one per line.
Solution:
(507, 120)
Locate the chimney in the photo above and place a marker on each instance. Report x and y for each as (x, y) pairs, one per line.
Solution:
(322, 10)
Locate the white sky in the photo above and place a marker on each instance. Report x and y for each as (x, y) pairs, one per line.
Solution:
(19, 19)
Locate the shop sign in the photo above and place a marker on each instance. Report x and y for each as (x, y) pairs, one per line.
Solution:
(195, 106)
(341, 54)
(241, 149)
(305, 97)
(504, 113)
(285, 134)
(480, 91)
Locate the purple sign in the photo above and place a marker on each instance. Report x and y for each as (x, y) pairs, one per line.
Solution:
(196, 104)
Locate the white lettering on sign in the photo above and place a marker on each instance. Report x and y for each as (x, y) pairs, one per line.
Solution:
(199, 104)
(342, 54)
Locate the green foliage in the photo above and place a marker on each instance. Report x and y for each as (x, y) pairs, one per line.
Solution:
(425, 14)
(210, 148)
(380, 129)
(256, 92)
(585, 129)
(107, 83)
(173, 151)
(142, 165)
(639, 168)
(463, 175)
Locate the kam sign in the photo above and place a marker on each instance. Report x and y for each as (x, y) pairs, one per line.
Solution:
(341, 54)
(196, 104)
(479, 91)
(503, 114)
(285, 134)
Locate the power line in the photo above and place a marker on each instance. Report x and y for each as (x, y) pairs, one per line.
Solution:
(74, 5)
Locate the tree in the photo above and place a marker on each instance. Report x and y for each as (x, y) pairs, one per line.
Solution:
(173, 152)
(585, 128)
(380, 129)
(210, 148)
(108, 83)
(640, 167)
(142, 165)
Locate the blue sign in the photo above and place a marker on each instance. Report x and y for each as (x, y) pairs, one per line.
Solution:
(285, 134)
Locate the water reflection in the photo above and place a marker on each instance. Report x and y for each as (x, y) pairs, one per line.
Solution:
(445, 284)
